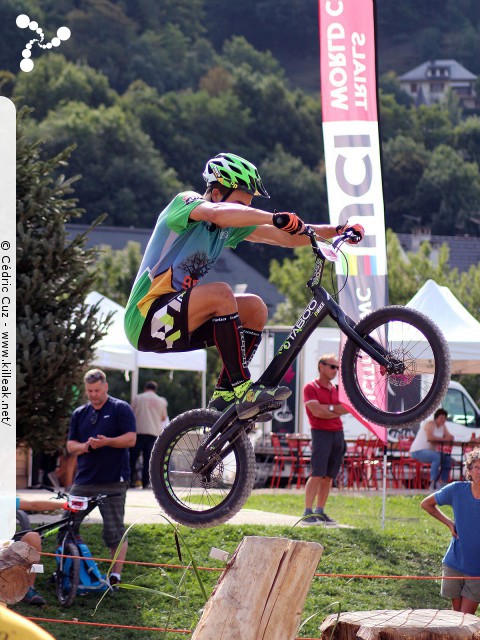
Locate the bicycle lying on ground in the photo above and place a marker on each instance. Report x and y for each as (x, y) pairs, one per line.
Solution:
(202, 467)
(74, 575)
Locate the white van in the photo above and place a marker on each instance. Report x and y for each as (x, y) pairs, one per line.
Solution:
(463, 418)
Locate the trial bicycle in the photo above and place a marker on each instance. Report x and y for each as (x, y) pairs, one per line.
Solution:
(202, 466)
(73, 575)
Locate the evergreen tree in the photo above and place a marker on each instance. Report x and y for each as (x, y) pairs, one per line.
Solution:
(56, 331)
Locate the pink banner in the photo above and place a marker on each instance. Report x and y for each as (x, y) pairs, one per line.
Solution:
(347, 60)
(352, 159)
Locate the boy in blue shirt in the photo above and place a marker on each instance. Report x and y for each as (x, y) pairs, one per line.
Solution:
(462, 558)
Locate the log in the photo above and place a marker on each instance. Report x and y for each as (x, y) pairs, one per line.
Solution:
(261, 594)
(15, 563)
(421, 624)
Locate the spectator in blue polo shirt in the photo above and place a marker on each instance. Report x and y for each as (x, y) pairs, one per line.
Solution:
(462, 559)
(101, 433)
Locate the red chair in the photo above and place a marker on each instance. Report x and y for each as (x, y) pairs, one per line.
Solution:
(353, 462)
(404, 467)
(364, 464)
(279, 461)
(301, 462)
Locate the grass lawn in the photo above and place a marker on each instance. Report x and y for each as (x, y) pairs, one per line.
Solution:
(411, 544)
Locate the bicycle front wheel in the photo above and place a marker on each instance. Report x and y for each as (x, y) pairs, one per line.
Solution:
(407, 395)
(200, 499)
(67, 575)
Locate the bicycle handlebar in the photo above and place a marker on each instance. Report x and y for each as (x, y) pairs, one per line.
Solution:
(65, 496)
(351, 235)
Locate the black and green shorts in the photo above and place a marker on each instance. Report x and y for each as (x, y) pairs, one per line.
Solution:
(166, 326)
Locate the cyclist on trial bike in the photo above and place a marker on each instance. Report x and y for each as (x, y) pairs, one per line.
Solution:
(170, 310)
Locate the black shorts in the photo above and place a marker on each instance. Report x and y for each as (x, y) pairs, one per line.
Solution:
(166, 326)
(327, 453)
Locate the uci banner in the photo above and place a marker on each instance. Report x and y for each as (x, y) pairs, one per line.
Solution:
(352, 154)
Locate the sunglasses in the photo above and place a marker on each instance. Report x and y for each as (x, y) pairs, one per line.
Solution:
(94, 418)
(332, 366)
(93, 377)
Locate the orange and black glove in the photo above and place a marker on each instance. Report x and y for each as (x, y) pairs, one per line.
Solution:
(357, 229)
(288, 222)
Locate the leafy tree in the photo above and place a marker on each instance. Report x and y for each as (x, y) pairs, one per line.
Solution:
(238, 52)
(390, 84)
(448, 189)
(279, 116)
(395, 118)
(56, 332)
(408, 272)
(55, 81)
(451, 104)
(290, 277)
(404, 162)
(168, 60)
(151, 14)
(188, 128)
(432, 126)
(123, 174)
(115, 271)
(467, 139)
(102, 33)
(293, 186)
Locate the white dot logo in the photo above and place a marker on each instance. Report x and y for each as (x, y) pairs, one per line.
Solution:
(24, 22)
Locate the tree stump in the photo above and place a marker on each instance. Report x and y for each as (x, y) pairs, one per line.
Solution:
(421, 624)
(15, 563)
(260, 595)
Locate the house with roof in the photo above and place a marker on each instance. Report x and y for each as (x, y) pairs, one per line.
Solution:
(464, 251)
(429, 82)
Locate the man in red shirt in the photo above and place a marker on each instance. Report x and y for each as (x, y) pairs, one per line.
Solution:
(323, 411)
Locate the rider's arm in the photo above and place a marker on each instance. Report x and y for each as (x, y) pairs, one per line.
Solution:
(272, 235)
(230, 214)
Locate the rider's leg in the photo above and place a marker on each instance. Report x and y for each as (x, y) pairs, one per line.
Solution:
(253, 315)
(218, 302)
(251, 339)
(227, 313)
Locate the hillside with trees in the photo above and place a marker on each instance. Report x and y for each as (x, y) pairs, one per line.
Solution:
(147, 91)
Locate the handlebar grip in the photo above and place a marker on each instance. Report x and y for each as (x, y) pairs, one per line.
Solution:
(355, 236)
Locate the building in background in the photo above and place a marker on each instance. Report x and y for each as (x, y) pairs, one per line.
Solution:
(429, 82)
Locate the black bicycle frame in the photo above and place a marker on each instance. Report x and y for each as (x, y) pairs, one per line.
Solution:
(321, 305)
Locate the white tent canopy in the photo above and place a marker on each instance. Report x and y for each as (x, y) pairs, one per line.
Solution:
(115, 352)
(460, 328)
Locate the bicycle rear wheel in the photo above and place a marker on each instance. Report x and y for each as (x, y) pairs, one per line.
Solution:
(67, 575)
(200, 499)
(22, 521)
(395, 399)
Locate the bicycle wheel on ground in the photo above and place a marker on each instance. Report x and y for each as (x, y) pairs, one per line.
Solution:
(407, 395)
(23, 523)
(200, 499)
(67, 575)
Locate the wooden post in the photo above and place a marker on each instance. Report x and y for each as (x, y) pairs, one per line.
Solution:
(15, 563)
(421, 624)
(261, 594)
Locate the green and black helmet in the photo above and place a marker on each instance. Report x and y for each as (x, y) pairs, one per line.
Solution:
(234, 172)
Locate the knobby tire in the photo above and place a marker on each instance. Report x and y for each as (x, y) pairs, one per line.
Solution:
(394, 400)
(67, 575)
(192, 499)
